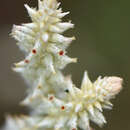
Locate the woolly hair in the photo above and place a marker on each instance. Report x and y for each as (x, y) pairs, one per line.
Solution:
(55, 102)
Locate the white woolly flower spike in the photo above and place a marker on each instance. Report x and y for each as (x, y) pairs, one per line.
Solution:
(42, 40)
(82, 105)
(55, 102)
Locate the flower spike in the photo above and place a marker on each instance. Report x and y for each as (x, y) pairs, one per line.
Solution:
(55, 102)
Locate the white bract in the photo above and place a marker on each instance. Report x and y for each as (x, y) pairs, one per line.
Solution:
(55, 102)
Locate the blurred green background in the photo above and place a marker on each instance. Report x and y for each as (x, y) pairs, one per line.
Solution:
(102, 47)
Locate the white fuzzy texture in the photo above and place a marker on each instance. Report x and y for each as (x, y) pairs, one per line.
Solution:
(56, 103)
(43, 42)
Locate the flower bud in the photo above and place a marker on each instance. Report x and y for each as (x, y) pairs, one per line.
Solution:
(116, 84)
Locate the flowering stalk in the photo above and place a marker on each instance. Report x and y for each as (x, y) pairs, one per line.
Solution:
(55, 102)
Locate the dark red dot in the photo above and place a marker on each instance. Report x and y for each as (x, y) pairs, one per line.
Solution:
(34, 51)
(63, 107)
(74, 129)
(61, 53)
(51, 98)
(26, 61)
